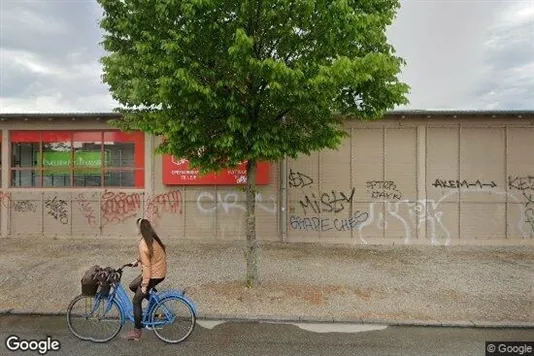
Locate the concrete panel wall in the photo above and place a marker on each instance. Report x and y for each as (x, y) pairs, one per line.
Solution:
(429, 182)
(412, 181)
(218, 212)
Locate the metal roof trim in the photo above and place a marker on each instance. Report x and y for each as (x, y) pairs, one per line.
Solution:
(414, 112)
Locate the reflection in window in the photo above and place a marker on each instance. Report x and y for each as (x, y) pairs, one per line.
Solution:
(56, 160)
(77, 159)
(119, 178)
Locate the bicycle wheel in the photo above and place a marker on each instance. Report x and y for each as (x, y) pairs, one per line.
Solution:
(174, 318)
(94, 319)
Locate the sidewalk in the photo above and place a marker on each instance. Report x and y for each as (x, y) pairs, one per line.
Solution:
(420, 285)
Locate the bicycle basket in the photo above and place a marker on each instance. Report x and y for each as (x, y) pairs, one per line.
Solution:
(89, 284)
(106, 279)
(104, 289)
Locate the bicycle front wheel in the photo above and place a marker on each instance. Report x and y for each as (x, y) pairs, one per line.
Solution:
(174, 320)
(94, 319)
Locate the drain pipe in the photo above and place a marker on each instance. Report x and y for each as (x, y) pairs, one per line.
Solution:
(283, 196)
(283, 199)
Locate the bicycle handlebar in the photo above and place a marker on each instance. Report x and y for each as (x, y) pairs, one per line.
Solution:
(110, 275)
(126, 265)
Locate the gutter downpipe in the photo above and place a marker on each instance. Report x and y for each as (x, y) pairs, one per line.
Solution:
(283, 196)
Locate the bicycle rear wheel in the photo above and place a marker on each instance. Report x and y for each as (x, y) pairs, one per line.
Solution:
(94, 319)
(174, 320)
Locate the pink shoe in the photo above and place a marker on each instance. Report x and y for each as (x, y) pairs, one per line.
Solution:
(135, 335)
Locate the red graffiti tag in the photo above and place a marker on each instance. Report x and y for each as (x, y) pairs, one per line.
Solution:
(86, 209)
(170, 202)
(118, 207)
(5, 199)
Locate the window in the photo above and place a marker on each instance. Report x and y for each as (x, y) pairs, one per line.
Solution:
(77, 159)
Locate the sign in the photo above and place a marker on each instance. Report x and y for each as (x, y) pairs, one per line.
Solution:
(177, 172)
(89, 162)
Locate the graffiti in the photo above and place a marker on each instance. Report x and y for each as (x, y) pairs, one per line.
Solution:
(119, 207)
(333, 202)
(529, 218)
(529, 211)
(5, 199)
(299, 180)
(455, 184)
(521, 183)
(208, 203)
(416, 214)
(327, 224)
(24, 206)
(170, 202)
(86, 209)
(384, 190)
(57, 208)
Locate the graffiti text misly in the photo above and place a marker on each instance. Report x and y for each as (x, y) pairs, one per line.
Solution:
(383, 190)
(118, 207)
(208, 202)
(57, 208)
(326, 224)
(24, 206)
(299, 180)
(333, 202)
(455, 184)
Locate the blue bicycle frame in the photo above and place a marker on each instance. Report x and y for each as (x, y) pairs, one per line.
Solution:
(119, 296)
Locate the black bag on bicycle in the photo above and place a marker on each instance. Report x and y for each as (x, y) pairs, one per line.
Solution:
(89, 282)
(104, 281)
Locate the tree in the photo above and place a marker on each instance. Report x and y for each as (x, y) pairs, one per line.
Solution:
(226, 81)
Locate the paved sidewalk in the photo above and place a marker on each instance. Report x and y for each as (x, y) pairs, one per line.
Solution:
(429, 285)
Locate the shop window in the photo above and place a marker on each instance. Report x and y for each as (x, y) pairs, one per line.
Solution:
(77, 159)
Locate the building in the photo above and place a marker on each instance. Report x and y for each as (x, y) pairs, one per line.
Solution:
(414, 177)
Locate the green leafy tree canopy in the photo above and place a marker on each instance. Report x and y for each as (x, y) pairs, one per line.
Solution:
(226, 81)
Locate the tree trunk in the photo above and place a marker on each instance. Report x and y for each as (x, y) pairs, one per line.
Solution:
(252, 248)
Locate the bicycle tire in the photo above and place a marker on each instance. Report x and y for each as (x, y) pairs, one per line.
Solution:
(80, 336)
(191, 317)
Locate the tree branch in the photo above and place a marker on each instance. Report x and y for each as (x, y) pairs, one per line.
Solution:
(281, 114)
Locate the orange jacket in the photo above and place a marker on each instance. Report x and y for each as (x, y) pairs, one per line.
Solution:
(155, 267)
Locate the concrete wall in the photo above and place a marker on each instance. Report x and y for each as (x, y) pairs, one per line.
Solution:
(193, 212)
(394, 181)
(438, 181)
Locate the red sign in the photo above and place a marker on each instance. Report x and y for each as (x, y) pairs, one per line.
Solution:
(177, 172)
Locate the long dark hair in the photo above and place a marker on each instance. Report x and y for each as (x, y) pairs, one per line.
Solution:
(149, 234)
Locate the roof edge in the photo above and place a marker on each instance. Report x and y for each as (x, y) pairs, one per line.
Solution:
(422, 112)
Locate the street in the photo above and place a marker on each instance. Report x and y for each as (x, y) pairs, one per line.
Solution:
(232, 338)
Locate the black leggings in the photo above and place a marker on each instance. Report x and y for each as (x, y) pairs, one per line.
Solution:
(137, 301)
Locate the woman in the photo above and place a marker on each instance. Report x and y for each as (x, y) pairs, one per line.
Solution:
(153, 259)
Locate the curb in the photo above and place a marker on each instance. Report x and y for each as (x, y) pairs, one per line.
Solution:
(319, 320)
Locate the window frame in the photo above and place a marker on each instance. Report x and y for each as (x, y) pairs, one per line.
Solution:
(135, 137)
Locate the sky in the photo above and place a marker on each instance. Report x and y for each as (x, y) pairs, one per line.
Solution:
(460, 54)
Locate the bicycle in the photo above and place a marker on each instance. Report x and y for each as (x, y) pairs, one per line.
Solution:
(118, 309)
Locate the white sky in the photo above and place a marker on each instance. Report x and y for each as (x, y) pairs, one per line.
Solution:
(461, 54)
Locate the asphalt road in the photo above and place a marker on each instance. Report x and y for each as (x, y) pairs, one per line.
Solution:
(210, 338)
